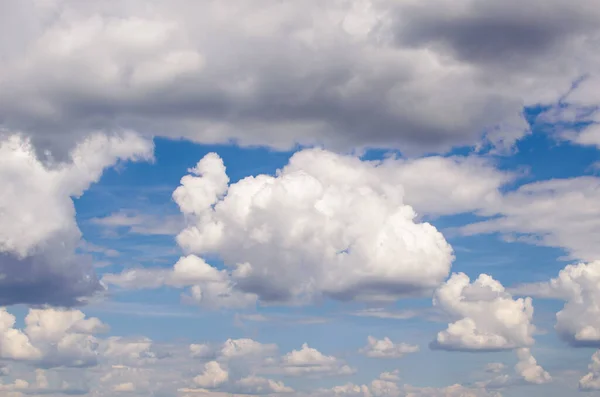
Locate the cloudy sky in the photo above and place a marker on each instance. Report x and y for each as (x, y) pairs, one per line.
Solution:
(330, 198)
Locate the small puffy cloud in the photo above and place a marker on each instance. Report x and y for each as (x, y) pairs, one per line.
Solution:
(528, 368)
(494, 367)
(128, 351)
(38, 231)
(235, 348)
(336, 223)
(591, 380)
(202, 351)
(209, 287)
(486, 317)
(390, 388)
(578, 322)
(385, 348)
(212, 377)
(311, 363)
(124, 387)
(393, 376)
(455, 390)
(258, 385)
(526, 371)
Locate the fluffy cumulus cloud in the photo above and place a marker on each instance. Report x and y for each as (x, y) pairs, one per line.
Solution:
(233, 349)
(579, 285)
(51, 338)
(258, 385)
(334, 186)
(337, 225)
(591, 380)
(385, 387)
(526, 371)
(485, 316)
(310, 362)
(385, 348)
(529, 370)
(381, 72)
(212, 377)
(38, 231)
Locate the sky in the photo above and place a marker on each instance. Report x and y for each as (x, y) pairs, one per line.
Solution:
(341, 198)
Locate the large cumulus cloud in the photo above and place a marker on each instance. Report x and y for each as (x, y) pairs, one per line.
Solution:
(325, 225)
(420, 76)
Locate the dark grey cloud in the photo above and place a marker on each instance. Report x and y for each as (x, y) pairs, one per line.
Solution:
(497, 33)
(41, 280)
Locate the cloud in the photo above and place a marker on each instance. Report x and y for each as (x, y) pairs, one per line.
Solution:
(308, 362)
(486, 317)
(258, 385)
(38, 232)
(576, 116)
(319, 216)
(385, 348)
(554, 213)
(51, 338)
(138, 223)
(357, 73)
(380, 312)
(578, 323)
(528, 368)
(210, 288)
(526, 371)
(383, 387)
(494, 367)
(591, 381)
(235, 348)
(212, 377)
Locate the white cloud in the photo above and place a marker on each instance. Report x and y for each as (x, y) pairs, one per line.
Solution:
(447, 185)
(486, 317)
(234, 348)
(495, 367)
(210, 288)
(139, 223)
(309, 362)
(528, 368)
(555, 213)
(380, 312)
(390, 388)
(579, 285)
(212, 377)
(128, 351)
(258, 385)
(322, 215)
(38, 231)
(385, 348)
(526, 371)
(390, 376)
(591, 380)
(51, 338)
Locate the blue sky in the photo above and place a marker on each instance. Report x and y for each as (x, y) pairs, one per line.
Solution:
(362, 198)
(146, 188)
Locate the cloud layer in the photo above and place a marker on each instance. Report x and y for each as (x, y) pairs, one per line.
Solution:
(346, 74)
